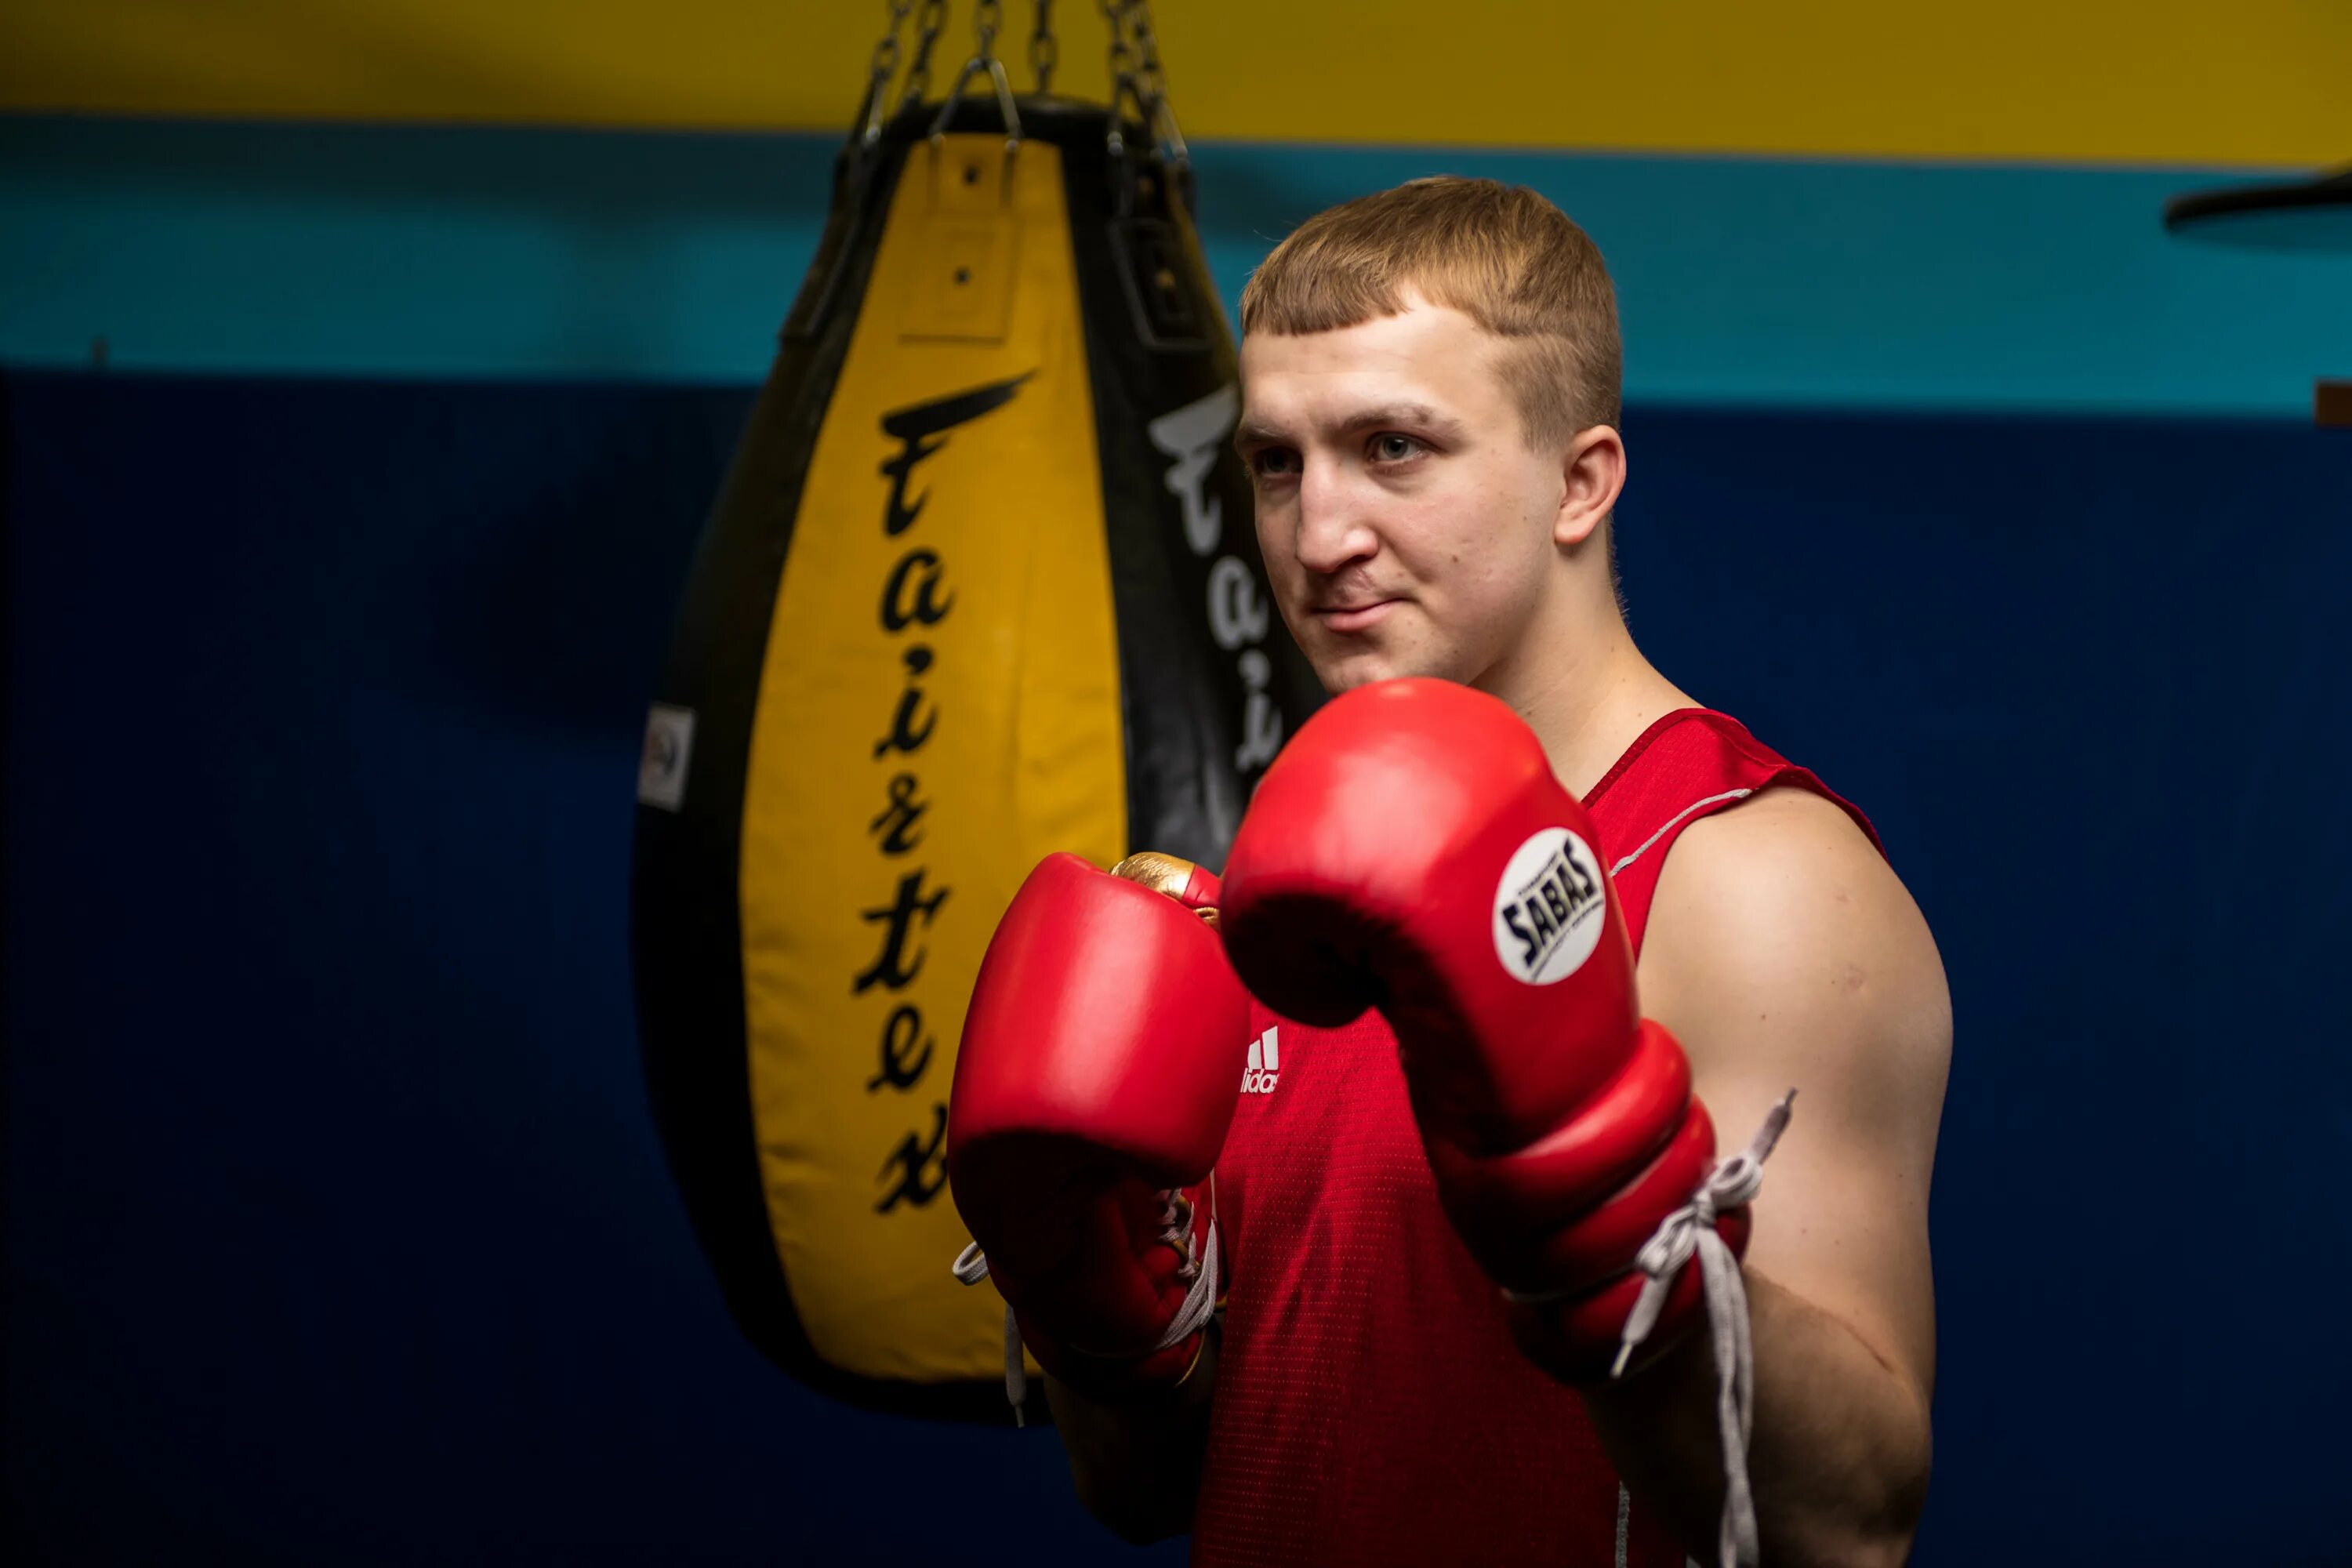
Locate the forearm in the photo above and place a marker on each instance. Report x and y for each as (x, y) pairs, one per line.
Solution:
(1840, 1456)
(1137, 1466)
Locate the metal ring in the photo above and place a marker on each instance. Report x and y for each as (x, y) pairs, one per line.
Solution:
(995, 69)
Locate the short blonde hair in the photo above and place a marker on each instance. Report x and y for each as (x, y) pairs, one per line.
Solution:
(1501, 254)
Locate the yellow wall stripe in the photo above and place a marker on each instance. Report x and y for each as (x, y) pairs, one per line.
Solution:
(2258, 82)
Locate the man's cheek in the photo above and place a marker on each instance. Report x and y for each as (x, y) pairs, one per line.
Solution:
(1272, 551)
(1283, 573)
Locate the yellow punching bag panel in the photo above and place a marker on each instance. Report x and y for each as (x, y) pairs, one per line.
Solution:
(981, 585)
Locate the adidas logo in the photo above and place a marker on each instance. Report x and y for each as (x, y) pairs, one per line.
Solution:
(1265, 1063)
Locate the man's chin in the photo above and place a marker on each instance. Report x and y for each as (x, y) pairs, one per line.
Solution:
(1362, 667)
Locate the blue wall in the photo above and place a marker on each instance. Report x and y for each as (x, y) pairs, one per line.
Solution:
(379, 251)
(337, 1230)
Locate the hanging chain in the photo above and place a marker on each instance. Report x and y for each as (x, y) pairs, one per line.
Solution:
(987, 16)
(1153, 81)
(1137, 78)
(1044, 48)
(1147, 49)
(885, 66)
(1123, 86)
(919, 80)
(885, 53)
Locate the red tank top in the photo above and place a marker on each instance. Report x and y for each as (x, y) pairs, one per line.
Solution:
(1370, 1407)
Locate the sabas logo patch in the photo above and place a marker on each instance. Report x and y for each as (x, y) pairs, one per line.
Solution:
(1549, 908)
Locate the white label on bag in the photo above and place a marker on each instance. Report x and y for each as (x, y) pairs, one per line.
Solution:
(661, 766)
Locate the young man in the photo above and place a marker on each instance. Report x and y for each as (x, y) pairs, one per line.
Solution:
(1431, 384)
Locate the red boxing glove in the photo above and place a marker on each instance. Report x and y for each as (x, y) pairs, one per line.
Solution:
(1411, 850)
(1093, 1091)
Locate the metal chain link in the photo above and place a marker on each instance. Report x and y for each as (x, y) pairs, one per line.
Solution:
(1044, 48)
(884, 66)
(1136, 77)
(1122, 57)
(1123, 85)
(919, 80)
(987, 16)
(887, 52)
(1153, 81)
(1146, 47)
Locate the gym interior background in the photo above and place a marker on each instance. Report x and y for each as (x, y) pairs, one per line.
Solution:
(366, 374)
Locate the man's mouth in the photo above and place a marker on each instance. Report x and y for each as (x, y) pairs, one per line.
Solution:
(1354, 615)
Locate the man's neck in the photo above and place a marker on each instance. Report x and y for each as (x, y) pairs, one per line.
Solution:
(1586, 698)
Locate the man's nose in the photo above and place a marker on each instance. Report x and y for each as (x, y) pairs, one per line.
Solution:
(1333, 532)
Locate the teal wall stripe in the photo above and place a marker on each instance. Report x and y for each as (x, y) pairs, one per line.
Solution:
(437, 252)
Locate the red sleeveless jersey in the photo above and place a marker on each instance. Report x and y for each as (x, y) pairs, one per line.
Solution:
(1370, 1407)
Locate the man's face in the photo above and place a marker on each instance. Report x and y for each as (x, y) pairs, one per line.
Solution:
(1407, 527)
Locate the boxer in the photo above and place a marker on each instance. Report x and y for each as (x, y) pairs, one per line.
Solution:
(1522, 925)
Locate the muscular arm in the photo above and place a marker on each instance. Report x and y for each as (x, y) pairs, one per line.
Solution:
(1783, 953)
(1137, 1467)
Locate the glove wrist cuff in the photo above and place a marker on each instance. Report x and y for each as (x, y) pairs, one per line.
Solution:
(1578, 1339)
(1117, 1379)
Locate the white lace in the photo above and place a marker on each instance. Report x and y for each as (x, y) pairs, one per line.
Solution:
(1691, 1230)
(1200, 1266)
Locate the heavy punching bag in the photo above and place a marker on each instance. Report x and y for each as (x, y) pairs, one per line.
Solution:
(981, 584)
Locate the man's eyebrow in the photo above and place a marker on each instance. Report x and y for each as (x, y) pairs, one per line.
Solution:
(1253, 432)
(1399, 413)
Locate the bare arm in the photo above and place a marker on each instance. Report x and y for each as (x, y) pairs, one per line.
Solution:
(1137, 1467)
(1783, 953)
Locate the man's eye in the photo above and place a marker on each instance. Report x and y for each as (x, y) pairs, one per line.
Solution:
(1394, 449)
(1274, 462)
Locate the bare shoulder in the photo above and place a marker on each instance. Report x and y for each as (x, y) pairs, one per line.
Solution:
(1786, 841)
(1783, 951)
(1783, 903)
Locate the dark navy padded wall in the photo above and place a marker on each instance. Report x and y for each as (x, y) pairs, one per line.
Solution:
(2087, 676)
(337, 1230)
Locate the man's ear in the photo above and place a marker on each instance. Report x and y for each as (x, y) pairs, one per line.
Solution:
(1592, 474)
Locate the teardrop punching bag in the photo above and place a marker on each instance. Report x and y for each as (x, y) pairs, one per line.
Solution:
(981, 583)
